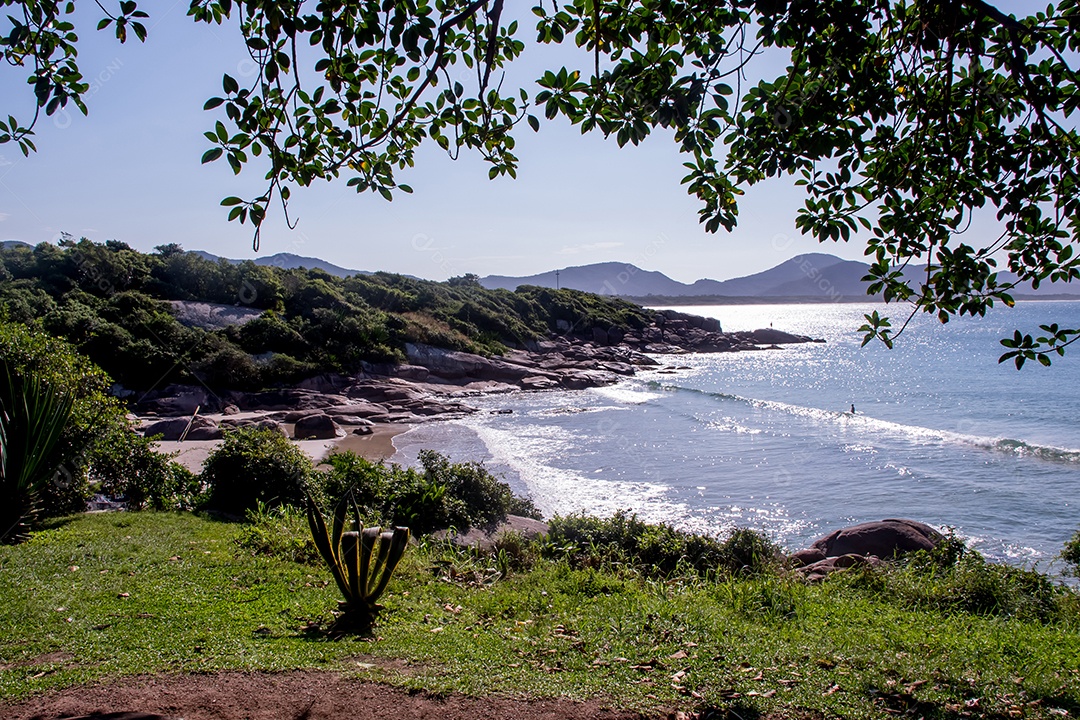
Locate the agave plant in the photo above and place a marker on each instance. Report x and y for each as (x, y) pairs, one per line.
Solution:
(32, 417)
(361, 559)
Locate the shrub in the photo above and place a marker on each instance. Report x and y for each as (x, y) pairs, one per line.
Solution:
(485, 501)
(441, 495)
(1071, 554)
(972, 585)
(281, 532)
(253, 466)
(370, 483)
(661, 549)
(31, 353)
(746, 551)
(125, 465)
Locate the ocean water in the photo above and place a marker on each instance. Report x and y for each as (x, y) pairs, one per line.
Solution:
(942, 434)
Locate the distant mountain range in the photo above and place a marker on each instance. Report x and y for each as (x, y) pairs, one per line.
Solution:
(810, 276)
(813, 277)
(288, 261)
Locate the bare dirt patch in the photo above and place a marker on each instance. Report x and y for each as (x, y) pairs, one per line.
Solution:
(298, 695)
(46, 659)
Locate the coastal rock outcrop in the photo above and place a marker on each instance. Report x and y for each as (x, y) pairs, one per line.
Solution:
(175, 400)
(173, 429)
(884, 539)
(433, 381)
(485, 539)
(454, 365)
(867, 543)
(317, 427)
(287, 399)
(768, 336)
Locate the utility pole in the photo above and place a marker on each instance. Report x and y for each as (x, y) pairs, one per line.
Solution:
(557, 280)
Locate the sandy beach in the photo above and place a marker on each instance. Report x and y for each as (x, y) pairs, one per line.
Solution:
(379, 445)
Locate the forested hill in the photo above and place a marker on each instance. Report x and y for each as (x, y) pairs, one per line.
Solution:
(120, 306)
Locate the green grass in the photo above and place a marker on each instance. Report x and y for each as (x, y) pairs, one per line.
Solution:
(196, 601)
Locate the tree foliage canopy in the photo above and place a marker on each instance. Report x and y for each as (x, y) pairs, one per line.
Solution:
(901, 119)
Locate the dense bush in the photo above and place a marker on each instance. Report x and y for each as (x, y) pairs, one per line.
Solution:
(660, 549)
(969, 585)
(439, 495)
(253, 466)
(125, 466)
(98, 449)
(480, 498)
(1071, 554)
(30, 352)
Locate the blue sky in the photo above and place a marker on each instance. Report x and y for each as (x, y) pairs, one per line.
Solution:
(131, 171)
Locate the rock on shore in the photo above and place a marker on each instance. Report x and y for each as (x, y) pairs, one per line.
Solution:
(868, 543)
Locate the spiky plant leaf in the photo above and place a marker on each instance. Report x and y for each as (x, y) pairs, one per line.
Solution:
(327, 549)
(395, 543)
(33, 416)
(351, 557)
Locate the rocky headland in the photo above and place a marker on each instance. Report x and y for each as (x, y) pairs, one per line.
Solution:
(436, 383)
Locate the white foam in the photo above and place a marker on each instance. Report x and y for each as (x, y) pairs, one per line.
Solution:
(531, 451)
(728, 424)
(624, 394)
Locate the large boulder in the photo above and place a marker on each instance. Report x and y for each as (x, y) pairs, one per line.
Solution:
(272, 426)
(538, 382)
(378, 391)
(455, 365)
(177, 400)
(769, 336)
(486, 538)
(415, 373)
(173, 428)
(356, 409)
(297, 415)
(316, 427)
(287, 399)
(884, 539)
(352, 421)
(817, 571)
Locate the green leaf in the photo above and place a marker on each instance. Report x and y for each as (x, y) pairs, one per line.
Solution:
(211, 155)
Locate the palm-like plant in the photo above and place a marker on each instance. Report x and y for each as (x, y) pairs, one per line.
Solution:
(361, 560)
(32, 418)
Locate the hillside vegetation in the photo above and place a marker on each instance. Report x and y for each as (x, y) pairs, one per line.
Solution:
(112, 303)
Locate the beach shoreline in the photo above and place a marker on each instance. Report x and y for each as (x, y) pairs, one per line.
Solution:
(378, 446)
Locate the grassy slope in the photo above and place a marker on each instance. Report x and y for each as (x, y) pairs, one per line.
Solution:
(196, 602)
